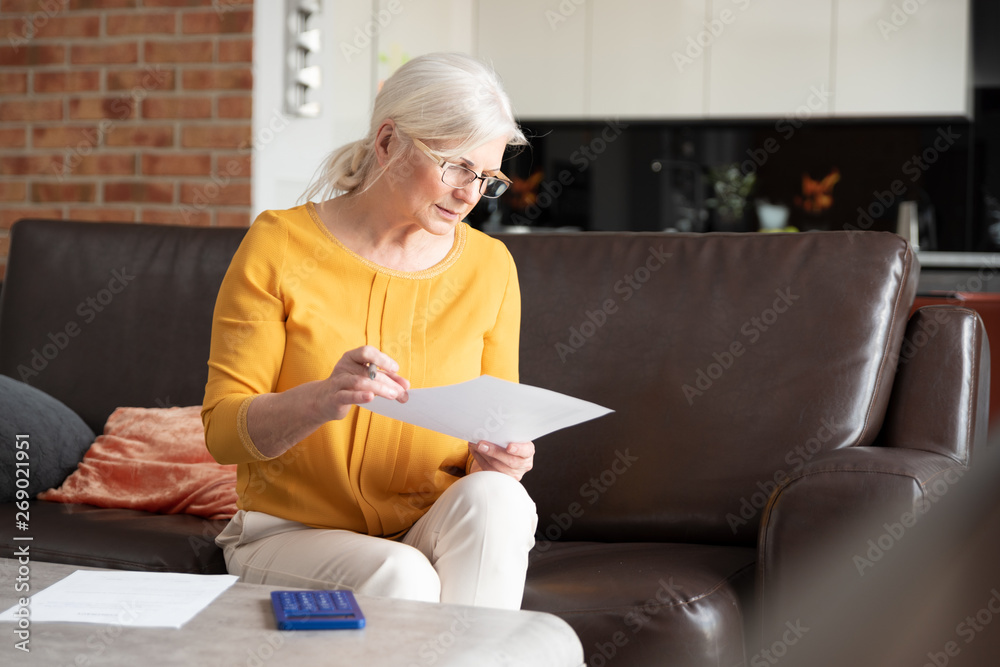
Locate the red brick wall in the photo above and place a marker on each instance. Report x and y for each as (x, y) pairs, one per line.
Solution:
(125, 110)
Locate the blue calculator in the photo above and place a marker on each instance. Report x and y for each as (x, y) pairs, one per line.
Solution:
(316, 610)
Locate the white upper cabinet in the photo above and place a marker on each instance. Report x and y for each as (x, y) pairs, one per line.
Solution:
(408, 29)
(660, 59)
(769, 59)
(540, 51)
(638, 62)
(902, 57)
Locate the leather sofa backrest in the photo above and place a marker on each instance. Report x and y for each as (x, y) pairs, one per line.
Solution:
(729, 360)
(103, 315)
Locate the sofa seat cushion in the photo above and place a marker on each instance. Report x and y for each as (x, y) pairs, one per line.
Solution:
(646, 603)
(116, 538)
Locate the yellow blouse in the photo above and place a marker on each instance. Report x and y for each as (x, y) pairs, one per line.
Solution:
(292, 302)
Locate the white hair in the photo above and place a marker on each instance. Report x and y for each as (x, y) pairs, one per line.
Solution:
(451, 98)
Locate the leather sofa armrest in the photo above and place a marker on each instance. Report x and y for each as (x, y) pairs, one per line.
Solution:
(840, 512)
(836, 517)
(941, 392)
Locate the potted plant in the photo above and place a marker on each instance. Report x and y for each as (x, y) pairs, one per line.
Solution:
(731, 190)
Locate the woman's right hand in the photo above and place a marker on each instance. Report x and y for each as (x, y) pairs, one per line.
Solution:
(349, 384)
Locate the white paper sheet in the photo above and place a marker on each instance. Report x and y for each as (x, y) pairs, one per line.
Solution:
(488, 408)
(118, 597)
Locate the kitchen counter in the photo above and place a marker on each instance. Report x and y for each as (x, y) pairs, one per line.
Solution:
(933, 259)
(958, 272)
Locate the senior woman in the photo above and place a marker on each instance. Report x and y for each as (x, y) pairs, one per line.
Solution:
(379, 288)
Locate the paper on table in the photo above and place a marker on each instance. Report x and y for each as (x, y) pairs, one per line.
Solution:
(119, 597)
(488, 408)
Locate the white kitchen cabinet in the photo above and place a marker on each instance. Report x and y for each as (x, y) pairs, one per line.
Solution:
(904, 57)
(540, 50)
(639, 65)
(770, 59)
(590, 59)
(407, 29)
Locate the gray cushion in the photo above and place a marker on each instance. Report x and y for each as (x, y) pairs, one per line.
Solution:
(57, 438)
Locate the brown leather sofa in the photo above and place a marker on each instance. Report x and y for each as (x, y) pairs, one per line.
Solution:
(768, 391)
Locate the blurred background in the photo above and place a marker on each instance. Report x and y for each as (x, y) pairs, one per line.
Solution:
(812, 161)
(688, 115)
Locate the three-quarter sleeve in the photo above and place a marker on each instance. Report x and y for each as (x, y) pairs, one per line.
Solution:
(500, 345)
(248, 339)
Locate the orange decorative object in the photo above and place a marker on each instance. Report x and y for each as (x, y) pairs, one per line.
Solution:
(523, 191)
(817, 196)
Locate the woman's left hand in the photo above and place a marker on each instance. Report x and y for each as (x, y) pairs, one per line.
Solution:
(515, 460)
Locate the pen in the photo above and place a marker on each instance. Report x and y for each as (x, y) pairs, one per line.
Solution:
(372, 370)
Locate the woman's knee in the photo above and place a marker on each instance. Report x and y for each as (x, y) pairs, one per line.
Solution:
(403, 572)
(489, 487)
(501, 506)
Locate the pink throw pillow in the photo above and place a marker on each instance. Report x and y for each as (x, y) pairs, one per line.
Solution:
(152, 459)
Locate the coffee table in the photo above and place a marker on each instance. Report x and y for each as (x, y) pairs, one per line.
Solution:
(238, 628)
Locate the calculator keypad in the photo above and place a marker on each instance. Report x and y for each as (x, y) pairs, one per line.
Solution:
(316, 609)
(314, 602)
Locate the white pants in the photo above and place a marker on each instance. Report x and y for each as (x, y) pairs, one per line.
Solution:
(470, 548)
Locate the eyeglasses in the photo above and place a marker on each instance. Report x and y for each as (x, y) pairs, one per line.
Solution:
(458, 176)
